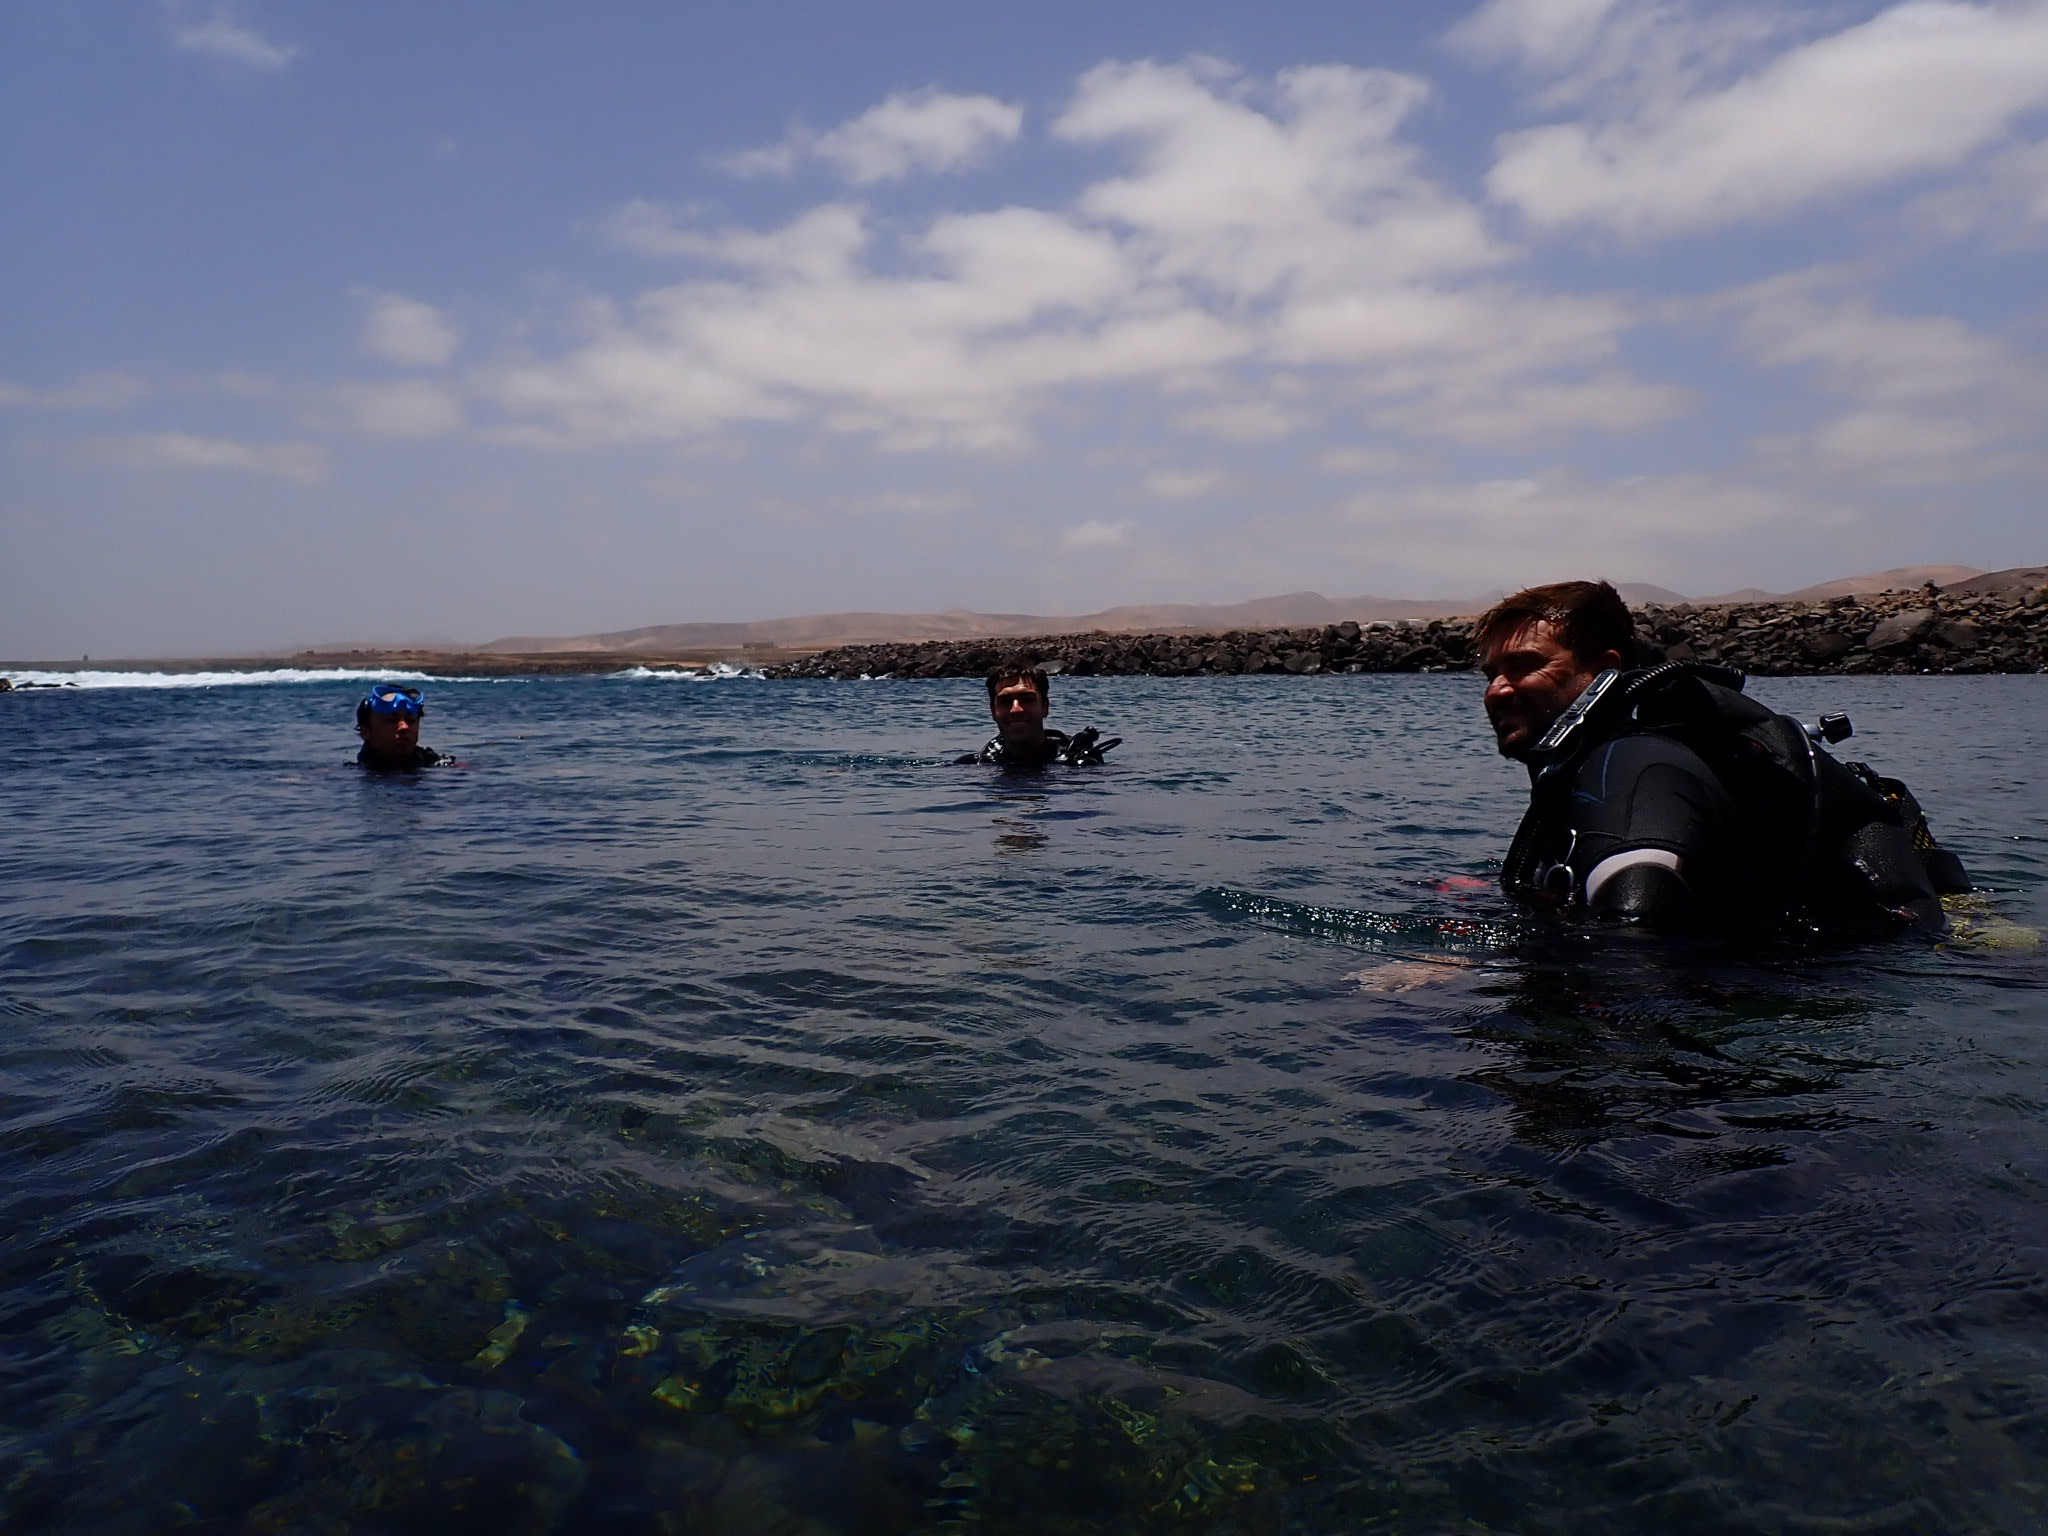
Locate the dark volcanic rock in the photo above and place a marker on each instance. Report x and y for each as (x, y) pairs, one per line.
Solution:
(1826, 646)
(1921, 631)
(1901, 629)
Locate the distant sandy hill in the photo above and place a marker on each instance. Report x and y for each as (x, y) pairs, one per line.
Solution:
(2020, 579)
(1289, 610)
(1901, 579)
(830, 629)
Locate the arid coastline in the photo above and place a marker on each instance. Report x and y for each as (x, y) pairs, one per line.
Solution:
(1930, 630)
(1992, 623)
(434, 663)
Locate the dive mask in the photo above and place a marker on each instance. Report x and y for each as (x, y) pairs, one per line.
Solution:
(390, 699)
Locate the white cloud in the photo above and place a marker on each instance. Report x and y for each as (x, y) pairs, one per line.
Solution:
(1486, 410)
(1186, 484)
(917, 131)
(933, 132)
(1918, 88)
(1557, 525)
(1626, 54)
(1007, 305)
(407, 332)
(1925, 398)
(1903, 445)
(405, 408)
(237, 384)
(216, 33)
(1703, 532)
(305, 463)
(96, 391)
(1366, 461)
(1095, 534)
(1257, 230)
(654, 229)
(1246, 420)
(1805, 319)
(911, 503)
(2006, 203)
(1319, 193)
(1549, 35)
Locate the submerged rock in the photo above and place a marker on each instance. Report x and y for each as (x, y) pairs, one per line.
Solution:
(819, 1385)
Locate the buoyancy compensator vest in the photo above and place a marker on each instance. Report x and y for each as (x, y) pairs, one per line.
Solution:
(1829, 845)
(1084, 748)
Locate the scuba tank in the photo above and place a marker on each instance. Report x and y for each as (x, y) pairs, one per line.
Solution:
(1945, 871)
(1831, 845)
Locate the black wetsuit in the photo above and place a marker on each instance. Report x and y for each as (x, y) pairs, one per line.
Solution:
(418, 758)
(1082, 748)
(1636, 794)
(1693, 806)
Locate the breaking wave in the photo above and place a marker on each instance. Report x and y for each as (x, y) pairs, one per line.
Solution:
(715, 672)
(84, 678)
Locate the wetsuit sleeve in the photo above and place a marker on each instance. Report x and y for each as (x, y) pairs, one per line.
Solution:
(1653, 832)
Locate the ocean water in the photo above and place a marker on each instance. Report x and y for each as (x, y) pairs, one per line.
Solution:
(706, 1109)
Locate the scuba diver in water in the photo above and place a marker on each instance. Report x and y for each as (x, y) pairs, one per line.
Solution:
(1019, 698)
(388, 720)
(1661, 796)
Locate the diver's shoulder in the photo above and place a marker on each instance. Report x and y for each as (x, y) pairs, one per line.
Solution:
(418, 758)
(1641, 749)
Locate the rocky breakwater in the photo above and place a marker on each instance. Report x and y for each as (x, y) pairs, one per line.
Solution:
(1928, 630)
(1442, 645)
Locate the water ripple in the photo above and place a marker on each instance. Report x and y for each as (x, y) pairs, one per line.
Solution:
(711, 1109)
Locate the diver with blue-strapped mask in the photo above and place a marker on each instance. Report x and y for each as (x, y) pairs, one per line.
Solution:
(388, 720)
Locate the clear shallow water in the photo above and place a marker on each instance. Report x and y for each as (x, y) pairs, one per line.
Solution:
(706, 1110)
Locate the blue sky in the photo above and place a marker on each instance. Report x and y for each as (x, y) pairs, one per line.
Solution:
(391, 322)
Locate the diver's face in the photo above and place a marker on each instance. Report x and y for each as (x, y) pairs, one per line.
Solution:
(1532, 677)
(391, 736)
(1019, 710)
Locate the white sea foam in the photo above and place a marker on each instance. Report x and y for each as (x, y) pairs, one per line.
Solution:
(83, 677)
(717, 671)
(94, 679)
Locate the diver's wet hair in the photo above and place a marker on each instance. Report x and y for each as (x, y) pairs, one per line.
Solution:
(1591, 615)
(1024, 668)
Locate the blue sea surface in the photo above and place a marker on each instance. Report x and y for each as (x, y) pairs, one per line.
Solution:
(708, 1109)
